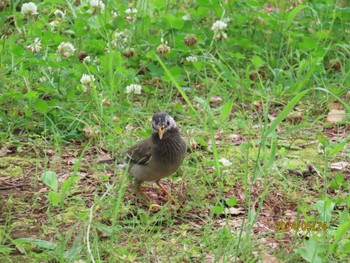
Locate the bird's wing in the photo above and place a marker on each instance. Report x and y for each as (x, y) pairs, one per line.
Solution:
(140, 153)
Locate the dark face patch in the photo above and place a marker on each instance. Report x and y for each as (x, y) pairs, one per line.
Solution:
(162, 121)
(160, 118)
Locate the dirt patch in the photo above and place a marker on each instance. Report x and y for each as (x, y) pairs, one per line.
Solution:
(25, 210)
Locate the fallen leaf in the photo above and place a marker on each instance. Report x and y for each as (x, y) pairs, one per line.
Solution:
(336, 116)
(234, 211)
(336, 105)
(90, 132)
(209, 259)
(295, 117)
(233, 223)
(129, 127)
(267, 258)
(334, 65)
(215, 101)
(106, 102)
(339, 166)
(3, 151)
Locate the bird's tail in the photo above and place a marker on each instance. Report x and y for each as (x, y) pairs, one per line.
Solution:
(119, 164)
(110, 161)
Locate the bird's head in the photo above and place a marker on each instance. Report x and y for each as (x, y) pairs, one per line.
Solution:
(162, 123)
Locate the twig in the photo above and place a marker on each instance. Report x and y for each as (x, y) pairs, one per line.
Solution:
(11, 187)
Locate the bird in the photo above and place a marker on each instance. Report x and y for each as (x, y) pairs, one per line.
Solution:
(158, 156)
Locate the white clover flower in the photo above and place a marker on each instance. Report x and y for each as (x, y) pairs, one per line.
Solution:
(60, 13)
(132, 13)
(114, 14)
(134, 88)
(120, 38)
(219, 26)
(29, 9)
(226, 20)
(163, 49)
(42, 79)
(87, 59)
(87, 80)
(21, 30)
(220, 35)
(53, 24)
(186, 17)
(35, 47)
(192, 59)
(98, 4)
(225, 162)
(131, 19)
(66, 49)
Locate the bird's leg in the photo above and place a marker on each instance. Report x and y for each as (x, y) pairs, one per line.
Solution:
(138, 190)
(165, 191)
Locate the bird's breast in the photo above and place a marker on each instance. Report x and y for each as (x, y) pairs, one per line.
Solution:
(166, 158)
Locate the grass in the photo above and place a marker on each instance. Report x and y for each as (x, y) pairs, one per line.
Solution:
(252, 107)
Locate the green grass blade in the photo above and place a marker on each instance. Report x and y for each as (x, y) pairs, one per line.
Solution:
(286, 111)
(293, 14)
(178, 87)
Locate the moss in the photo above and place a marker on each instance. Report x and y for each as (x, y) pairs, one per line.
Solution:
(13, 166)
(11, 171)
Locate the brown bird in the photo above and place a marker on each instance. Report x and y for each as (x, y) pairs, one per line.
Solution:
(158, 156)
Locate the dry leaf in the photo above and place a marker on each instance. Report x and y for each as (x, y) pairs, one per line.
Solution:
(129, 127)
(336, 105)
(347, 96)
(90, 132)
(295, 117)
(334, 65)
(215, 101)
(339, 166)
(233, 223)
(336, 116)
(3, 151)
(234, 211)
(271, 117)
(209, 259)
(267, 258)
(82, 55)
(106, 102)
(218, 135)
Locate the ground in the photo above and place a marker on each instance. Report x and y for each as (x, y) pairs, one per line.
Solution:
(293, 183)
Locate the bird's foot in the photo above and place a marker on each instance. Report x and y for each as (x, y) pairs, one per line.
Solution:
(140, 192)
(165, 192)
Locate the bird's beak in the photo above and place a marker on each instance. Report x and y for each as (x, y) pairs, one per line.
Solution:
(160, 132)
